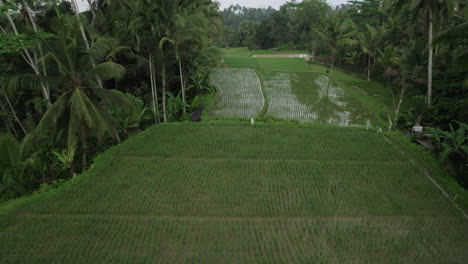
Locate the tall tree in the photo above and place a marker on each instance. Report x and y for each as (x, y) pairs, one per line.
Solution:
(83, 105)
(338, 30)
(369, 41)
(432, 13)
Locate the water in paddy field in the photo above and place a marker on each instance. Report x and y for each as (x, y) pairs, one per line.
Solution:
(240, 92)
(310, 97)
(305, 97)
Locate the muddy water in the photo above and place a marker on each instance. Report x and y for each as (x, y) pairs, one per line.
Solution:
(310, 97)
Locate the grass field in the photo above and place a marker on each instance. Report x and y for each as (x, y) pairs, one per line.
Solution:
(221, 192)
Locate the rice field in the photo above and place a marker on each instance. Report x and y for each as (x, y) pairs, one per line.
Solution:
(240, 92)
(295, 90)
(222, 192)
(311, 97)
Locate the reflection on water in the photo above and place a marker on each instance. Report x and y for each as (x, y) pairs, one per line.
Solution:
(311, 97)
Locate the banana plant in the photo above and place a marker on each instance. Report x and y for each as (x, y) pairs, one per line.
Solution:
(451, 144)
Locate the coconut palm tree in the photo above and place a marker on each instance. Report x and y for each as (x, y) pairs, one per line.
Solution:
(336, 32)
(144, 30)
(432, 13)
(369, 41)
(190, 36)
(83, 107)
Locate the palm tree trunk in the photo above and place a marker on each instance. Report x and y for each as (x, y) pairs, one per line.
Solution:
(402, 94)
(314, 44)
(181, 82)
(14, 114)
(28, 58)
(7, 121)
(163, 72)
(72, 171)
(153, 89)
(46, 89)
(368, 67)
(93, 13)
(429, 66)
(331, 63)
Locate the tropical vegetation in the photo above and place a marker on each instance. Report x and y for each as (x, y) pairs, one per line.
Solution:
(74, 83)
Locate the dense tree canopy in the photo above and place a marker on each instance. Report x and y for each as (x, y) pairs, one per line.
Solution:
(74, 83)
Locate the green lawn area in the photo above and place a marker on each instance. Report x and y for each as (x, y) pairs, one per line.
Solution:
(228, 192)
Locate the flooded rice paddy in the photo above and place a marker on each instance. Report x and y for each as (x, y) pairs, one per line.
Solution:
(240, 92)
(311, 97)
(304, 97)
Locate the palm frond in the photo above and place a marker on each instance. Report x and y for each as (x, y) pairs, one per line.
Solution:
(114, 99)
(102, 48)
(106, 71)
(48, 123)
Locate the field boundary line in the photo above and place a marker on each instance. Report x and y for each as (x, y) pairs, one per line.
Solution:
(428, 176)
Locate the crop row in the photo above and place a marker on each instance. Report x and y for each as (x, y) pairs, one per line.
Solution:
(176, 240)
(271, 142)
(226, 187)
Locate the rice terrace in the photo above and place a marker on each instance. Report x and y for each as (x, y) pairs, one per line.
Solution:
(287, 159)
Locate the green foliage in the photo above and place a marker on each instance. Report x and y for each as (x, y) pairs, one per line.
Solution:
(452, 146)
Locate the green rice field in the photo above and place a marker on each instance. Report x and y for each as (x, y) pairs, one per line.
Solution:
(295, 90)
(312, 97)
(240, 92)
(227, 192)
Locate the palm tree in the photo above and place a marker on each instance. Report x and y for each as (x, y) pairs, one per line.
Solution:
(369, 41)
(83, 106)
(410, 61)
(6, 94)
(388, 61)
(455, 37)
(432, 13)
(170, 13)
(190, 36)
(145, 31)
(337, 31)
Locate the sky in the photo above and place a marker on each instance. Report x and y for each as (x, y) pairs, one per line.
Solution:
(249, 3)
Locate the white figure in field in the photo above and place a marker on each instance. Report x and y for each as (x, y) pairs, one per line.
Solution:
(368, 124)
(252, 122)
(417, 128)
